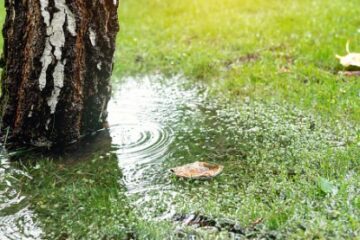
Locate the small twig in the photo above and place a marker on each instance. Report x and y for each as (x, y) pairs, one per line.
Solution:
(256, 222)
(7, 135)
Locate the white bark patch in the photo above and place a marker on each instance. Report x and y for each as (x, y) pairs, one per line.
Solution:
(55, 42)
(115, 2)
(99, 65)
(31, 111)
(58, 85)
(56, 33)
(46, 60)
(45, 14)
(47, 124)
(102, 111)
(92, 36)
(70, 20)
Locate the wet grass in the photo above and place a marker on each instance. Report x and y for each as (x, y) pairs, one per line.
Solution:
(85, 199)
(80, 200)
(296, 170)
(293, 170)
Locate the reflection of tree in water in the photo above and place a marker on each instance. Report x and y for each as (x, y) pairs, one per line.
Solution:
(17, 220)
(75, 194)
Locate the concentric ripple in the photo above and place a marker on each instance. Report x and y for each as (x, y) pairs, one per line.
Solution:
(140, 148)
(143, 141)
(140, 136)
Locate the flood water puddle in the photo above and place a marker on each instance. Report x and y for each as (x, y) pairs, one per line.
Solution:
(157, 123)
(17, 220)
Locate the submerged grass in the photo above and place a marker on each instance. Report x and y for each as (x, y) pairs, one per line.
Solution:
(85, 199)
(298, 172)
(82, 200)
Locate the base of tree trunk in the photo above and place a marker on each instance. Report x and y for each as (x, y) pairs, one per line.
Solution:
(58, 60)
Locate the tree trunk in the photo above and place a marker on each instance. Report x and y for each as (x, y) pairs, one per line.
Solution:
(58, 59)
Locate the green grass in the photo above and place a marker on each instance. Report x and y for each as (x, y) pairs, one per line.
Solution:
(302, 181)
(81, 200)
(280, 52)
(87, 201)
(245, 46)
(2, 19)
(282, 171)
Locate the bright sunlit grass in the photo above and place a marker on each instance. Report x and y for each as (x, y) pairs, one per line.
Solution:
(262, 49)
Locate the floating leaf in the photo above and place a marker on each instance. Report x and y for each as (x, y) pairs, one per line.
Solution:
(198, 170)
(351, 59)
(326, 186)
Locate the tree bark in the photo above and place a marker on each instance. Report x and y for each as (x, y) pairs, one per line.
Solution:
(58, 60)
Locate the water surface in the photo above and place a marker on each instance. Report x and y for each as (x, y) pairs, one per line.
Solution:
(157, 123)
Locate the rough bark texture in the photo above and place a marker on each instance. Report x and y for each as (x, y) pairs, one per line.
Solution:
(58, 58)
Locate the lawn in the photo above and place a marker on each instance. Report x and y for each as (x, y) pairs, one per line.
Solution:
(260, 49)
(277, 55)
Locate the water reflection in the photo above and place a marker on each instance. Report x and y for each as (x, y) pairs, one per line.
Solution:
(156, 124)
(141, 149)
(143, 115)
(17, 221)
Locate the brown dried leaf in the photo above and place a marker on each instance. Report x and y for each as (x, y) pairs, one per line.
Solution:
(198, 170)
